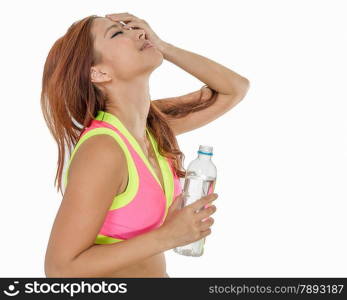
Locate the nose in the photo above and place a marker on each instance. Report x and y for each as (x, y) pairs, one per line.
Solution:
(141, 34)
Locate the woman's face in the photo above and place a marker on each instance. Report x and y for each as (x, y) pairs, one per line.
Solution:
(120, 51)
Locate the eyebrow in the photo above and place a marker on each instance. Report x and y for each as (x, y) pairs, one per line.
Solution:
(112, 26)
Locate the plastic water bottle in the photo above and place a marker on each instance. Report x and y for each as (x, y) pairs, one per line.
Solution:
(200, 180)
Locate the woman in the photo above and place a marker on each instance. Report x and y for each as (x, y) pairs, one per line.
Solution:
(116, 217)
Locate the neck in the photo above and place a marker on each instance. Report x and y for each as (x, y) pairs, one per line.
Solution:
(204, 157)
(130, 102)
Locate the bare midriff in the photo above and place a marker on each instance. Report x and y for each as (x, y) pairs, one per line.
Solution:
(154, 266)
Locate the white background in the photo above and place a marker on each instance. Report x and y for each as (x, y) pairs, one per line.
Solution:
(281, 153)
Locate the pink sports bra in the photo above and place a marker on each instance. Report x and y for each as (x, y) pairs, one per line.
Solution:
(144, 204)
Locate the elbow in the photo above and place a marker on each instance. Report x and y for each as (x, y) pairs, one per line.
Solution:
(61, 272)
(239, 89)
(242, 89)
(56, 269)
(51, 265)
(244, 86)
(53, 270)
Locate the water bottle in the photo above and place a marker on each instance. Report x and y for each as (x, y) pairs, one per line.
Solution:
(200, 180)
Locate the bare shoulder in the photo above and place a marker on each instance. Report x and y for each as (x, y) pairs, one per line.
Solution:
(99, 156)
(95, 176)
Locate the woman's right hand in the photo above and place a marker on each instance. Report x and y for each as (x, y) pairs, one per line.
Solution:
(185, 225)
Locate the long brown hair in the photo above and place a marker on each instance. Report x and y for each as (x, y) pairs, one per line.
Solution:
(70, 101)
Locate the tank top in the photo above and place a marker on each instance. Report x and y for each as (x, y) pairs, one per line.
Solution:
(144, 203)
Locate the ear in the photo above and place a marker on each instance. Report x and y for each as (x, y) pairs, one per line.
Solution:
(96, 75)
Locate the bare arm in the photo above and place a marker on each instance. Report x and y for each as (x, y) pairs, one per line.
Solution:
(216, 76)
(105, 260)
(95, 177)
(203, 93)
(230, 88)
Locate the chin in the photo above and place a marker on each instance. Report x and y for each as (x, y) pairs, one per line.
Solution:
(154, 60)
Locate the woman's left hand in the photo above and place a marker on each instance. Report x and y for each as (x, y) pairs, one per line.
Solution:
(132, 21)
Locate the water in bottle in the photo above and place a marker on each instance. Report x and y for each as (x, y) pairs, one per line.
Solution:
(200, 180)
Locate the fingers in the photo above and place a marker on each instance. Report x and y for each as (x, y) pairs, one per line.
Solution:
(129, 20)
(206, 224)
(119, 15)
(197, 205)
(134, 24)
(205, 233)
(122, 17)
(206, 212)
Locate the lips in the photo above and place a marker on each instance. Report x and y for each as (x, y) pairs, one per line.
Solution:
(146, 44)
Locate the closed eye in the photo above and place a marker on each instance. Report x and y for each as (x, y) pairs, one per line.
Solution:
(116, 34)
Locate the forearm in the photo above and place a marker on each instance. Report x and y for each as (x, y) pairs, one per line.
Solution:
(216, 76)
(165, 103)
(105, 260)
(202, 94)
